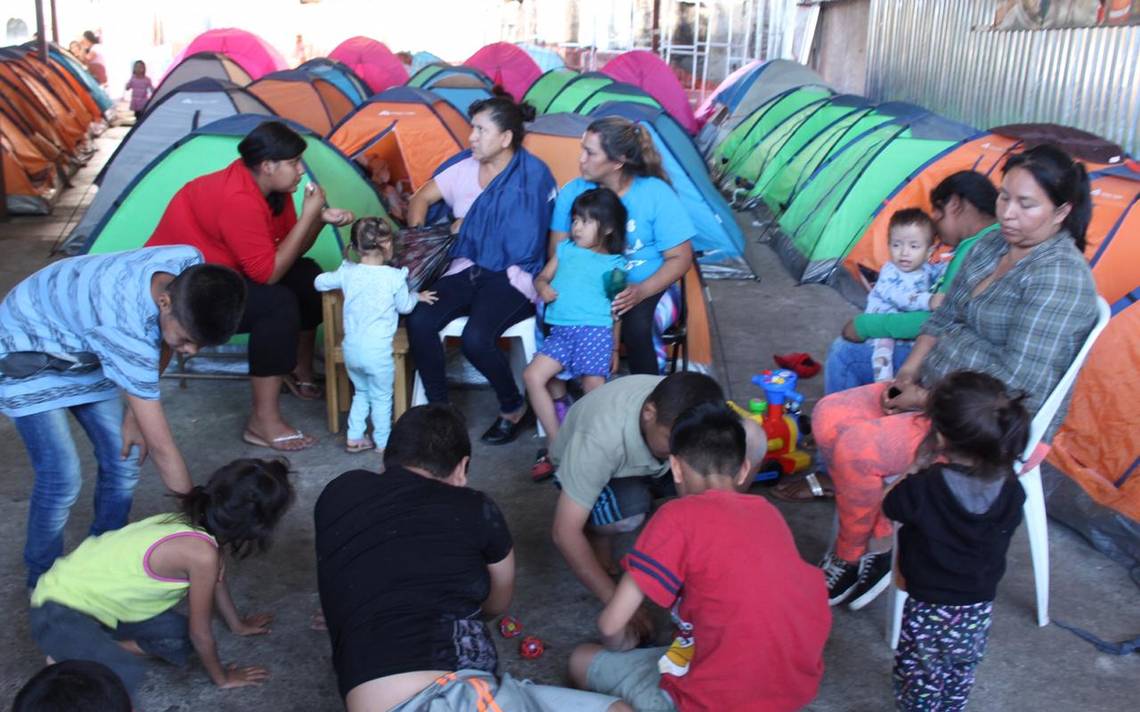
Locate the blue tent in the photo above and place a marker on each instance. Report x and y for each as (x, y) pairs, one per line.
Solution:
(457, 85)
(546, 58)
(423, 59)
(339, 75)
(719, 238)
(78, 71)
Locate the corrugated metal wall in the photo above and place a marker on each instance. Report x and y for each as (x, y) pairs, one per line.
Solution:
(927, 52)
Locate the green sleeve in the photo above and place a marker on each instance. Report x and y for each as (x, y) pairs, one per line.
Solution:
(897, 325)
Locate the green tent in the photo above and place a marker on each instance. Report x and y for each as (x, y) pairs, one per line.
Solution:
(213, 147)
(546, 87)
(831, 211)
(809, 144)
(779, 188)
(586, 92)
(736, 160)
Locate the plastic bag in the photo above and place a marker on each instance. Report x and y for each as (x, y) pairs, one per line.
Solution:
(425, 251)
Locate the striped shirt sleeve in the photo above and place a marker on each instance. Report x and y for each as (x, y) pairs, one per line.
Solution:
(656, 561)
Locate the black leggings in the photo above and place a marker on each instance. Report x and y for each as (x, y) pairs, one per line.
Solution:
(275, 314)
(637, 336)
(491, 306)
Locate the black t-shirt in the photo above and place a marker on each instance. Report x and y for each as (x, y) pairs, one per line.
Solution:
(949, 554)
(402, 572)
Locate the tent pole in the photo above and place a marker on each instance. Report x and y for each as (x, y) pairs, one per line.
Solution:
(54, 24)
(40, 30)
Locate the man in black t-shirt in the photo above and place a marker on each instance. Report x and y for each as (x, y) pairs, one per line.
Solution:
(409, 562)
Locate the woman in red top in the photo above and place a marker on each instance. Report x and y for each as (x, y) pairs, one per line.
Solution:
(243, 217)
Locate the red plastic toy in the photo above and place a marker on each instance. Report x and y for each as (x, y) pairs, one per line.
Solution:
(510, 627)
(531, 648)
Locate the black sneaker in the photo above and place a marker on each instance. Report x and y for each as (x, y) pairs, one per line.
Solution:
(841, 578)
(874, 577)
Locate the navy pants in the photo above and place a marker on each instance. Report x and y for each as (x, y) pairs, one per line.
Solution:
(940, 646)
(491, 306)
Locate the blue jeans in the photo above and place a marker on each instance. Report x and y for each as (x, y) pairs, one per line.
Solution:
(47, 436)
(849, 363)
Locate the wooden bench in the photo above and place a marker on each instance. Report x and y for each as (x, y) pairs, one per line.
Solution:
(338, 389)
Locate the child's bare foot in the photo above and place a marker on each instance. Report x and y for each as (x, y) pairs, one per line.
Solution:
(317, 622)
(355, 445)
(131, 647)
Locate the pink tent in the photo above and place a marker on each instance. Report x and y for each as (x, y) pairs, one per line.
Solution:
(708, 107)
(650, 73)
(372, 61)
(253, 54)
(508, 66)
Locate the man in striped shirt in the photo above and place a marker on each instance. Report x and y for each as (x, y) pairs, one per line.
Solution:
(75, 334)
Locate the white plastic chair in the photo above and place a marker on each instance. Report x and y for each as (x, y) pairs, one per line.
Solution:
(1036, 525)
(522, 351)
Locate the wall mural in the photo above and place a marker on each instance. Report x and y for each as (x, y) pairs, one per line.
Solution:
(1060, 14)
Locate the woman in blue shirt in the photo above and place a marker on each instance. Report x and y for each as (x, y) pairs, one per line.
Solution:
(619, 154)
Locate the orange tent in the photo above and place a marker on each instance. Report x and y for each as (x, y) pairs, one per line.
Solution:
(314, 103)
(410, 129)
(1099, 443)
(986, 154)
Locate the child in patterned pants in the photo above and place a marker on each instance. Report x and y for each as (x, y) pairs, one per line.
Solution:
(957, 515)
(939, 648)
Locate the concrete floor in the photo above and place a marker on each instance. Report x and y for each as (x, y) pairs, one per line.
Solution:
(1026, 668)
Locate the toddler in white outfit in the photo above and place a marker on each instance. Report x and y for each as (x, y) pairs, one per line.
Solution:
(374, 296)
(905, 283)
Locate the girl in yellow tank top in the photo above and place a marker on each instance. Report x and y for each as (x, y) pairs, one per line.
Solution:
(111, 599)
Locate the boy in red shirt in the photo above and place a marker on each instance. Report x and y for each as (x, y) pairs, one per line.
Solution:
(751, 615)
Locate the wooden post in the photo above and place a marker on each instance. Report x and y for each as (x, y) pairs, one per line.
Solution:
(655, 30)
(41, 33)
(54, 24)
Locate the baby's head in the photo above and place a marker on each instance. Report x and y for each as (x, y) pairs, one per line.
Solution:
(598, 221)
(373, 237)
(910, 236)
(707, 449)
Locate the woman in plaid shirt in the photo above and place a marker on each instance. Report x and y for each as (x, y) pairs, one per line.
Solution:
(1019, 310)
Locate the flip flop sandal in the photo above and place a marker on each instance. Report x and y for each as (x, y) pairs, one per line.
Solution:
(802, 363)
(812, 486)
(276, 443)
(355, 446)
(305, 390)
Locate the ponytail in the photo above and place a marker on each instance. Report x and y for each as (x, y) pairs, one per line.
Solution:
(980, 420)
(241, 504)
(1064, 180)
(631, 145)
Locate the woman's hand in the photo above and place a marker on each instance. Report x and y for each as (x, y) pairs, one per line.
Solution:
(243, 676)
(544, 290)
(257, 624)
(337, 217)
(936, 300)
(628, 298)
(903, 398)
(314, 201)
